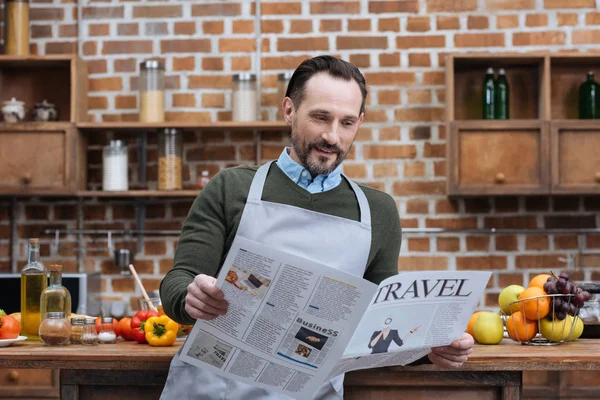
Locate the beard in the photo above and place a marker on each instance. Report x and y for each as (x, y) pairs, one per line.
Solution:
(317, 165)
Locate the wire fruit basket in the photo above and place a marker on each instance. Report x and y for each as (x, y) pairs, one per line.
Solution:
(541, 320)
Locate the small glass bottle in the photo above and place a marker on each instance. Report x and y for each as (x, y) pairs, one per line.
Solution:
(152, 91)
(55, 329)
(501, 96)
(244, 98)
(56, 297)
(282, 83)
(33, 283)
(589, 98)
(488, 95)
(90, 335)
(107, 331)
(16, 21)
(76, 330)
(170, 159)
(114, 166)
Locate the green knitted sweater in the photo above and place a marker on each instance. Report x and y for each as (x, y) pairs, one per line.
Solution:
(213, 219)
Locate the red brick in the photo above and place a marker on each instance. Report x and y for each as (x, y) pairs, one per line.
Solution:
(434, 150)
(449, 244)
(439, 168)
(97, 66)
(125, 65)
(565, 242)
(102, 12)
(213, 27)
(213, 100)
(211, 153)
(129, 29)
(507, 21)
(419, 60)
(385, 170)
(418, 244)
(359, 25)
(242, 26)
(446, 206)
(156, 29)
(568, 19)
(593, 241)
(418, 24)
(271, 26)
(570, 4)
(500, 5)
(330, 25)
(172, 11)
(300, 26)
(335, 7)
(477, 22)
(447, 23)
(389, 24)
(389, 133)
(417, 206)
(389, 151)
(98, 29)
(546, 261)
(105, 84)
(414, 169)
(125, 102)
(586, 37)
(212, 64)
(419, 42)
(419, 187)
(388, 97)
(419, 114)
(151, 284)
(451, 6)
(278, 8)
(536, 20)
(123, 285)
(286, 62)
(61, 47)
(188, 116)
(303, 44)
(165, 265)
(507, 279)
(389, 60)
(591, 18)
(390, 78)
(127, 47)
(506, 243)
(536, 243)
(483, 263)
(422, 263)
(478, 243)
(237, 45)
(240, 63)
(548, 38)
(69, 30)
(185, 46)
(355, 171)
(36, 212)
(221, 9)
(40, 31)
(479, 40)
(184, 100)
(361, 42)
(418, 96)
(451, 223)
(184, 64)
(523, 222)
(184, 28)
(98, 103)
(570, 221)
(46, 14)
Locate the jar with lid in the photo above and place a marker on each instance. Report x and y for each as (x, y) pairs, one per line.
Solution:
(282, 83)
(55, 329)
(16, 21)
(244, 97)
(152, 91)
(114, 166)
(170, 159)
(107, 331)
(76, 330)
(90, 335)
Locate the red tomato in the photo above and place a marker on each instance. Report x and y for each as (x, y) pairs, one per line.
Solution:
(125, 327)
(9, 327)
(115, 326)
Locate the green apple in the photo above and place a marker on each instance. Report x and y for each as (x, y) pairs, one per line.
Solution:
(488, 328)
(577, 331)
(508, 295)
(555, 330)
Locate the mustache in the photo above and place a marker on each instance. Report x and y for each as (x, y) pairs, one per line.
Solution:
(326, 146)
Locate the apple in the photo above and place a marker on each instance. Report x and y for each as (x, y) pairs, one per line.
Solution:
(577, 331)
(488, 328)
(508, 295)
(555, 330)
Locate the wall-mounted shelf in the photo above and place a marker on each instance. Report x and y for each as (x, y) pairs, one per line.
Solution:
(190, 126)
(139, 193)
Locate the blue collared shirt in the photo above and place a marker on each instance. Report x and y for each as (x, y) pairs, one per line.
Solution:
(302, 177)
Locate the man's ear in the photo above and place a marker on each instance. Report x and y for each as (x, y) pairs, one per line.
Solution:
(287, 106)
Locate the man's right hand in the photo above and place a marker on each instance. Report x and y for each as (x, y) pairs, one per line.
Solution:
(204, 300)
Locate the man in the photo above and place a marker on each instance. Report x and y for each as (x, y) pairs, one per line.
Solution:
(300, 204)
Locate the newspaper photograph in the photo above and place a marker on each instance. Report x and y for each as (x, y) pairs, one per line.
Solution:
(292, 323)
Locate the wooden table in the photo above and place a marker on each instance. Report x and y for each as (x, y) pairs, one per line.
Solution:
(139, 371)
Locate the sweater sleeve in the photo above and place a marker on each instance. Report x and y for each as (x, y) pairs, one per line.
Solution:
(199, 248)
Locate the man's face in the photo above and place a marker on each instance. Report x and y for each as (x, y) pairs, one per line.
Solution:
(325, 123)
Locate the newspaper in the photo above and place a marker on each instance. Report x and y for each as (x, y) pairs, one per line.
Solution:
(292, 323)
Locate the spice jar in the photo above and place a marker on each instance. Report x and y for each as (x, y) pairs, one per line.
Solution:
(244, 98)
(282, 83)
(55, 330)
(17, 27)
(90, 336)
(76, 330)
(152, 91)
(107, 331)
(170, 155)
(114, 166)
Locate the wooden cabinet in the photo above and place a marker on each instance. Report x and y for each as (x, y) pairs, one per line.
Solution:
(560, 385)
(41, 158)
(498, 157)
(575, 157)
(29, 384)
(543, 148)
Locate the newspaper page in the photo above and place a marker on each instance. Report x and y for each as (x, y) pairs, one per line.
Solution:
(409, 314)
(288, 323)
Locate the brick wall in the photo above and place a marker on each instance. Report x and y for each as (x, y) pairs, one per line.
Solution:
(399, 46)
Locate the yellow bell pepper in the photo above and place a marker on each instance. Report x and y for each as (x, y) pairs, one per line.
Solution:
(161, 331)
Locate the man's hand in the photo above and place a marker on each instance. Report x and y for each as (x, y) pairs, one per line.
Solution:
(204, 300)
(454, 355)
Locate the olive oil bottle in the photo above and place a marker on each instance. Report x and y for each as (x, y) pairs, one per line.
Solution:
(56, 297)
(33, 282)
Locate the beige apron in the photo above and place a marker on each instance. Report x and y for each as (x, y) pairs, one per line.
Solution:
(334, 241)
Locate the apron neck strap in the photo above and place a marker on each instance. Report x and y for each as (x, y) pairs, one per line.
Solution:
(258, 184)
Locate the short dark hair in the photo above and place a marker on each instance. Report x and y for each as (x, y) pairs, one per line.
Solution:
(333, 66)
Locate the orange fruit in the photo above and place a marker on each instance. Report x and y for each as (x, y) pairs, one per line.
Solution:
(519, 328)
(538, 305)
(539, 280)
(472, 321)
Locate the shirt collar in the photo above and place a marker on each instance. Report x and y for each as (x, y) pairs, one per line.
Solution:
(302, 177)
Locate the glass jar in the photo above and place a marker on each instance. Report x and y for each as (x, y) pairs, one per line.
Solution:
(282, 83)
(90, 335)
(170, 159)
(56, 297)
(17, 27)
(107, 331)
(76, 330)
(244, 97)
(114, 166)
(55, 329)
(152, 91)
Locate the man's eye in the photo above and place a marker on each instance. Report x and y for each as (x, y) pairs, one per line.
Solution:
(348, 123)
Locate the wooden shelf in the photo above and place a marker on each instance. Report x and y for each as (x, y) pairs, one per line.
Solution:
(139, 193)
(34, 126)
(222, 126)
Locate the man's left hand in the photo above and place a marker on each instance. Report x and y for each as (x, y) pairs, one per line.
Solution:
(454, 355)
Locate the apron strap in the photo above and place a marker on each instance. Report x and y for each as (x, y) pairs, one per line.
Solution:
(258, 184)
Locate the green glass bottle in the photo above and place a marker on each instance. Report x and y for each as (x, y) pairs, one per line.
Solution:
(488, 95)
(589, 103)
(501, 96)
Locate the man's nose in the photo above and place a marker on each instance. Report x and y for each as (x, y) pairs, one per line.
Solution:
(331, 134)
